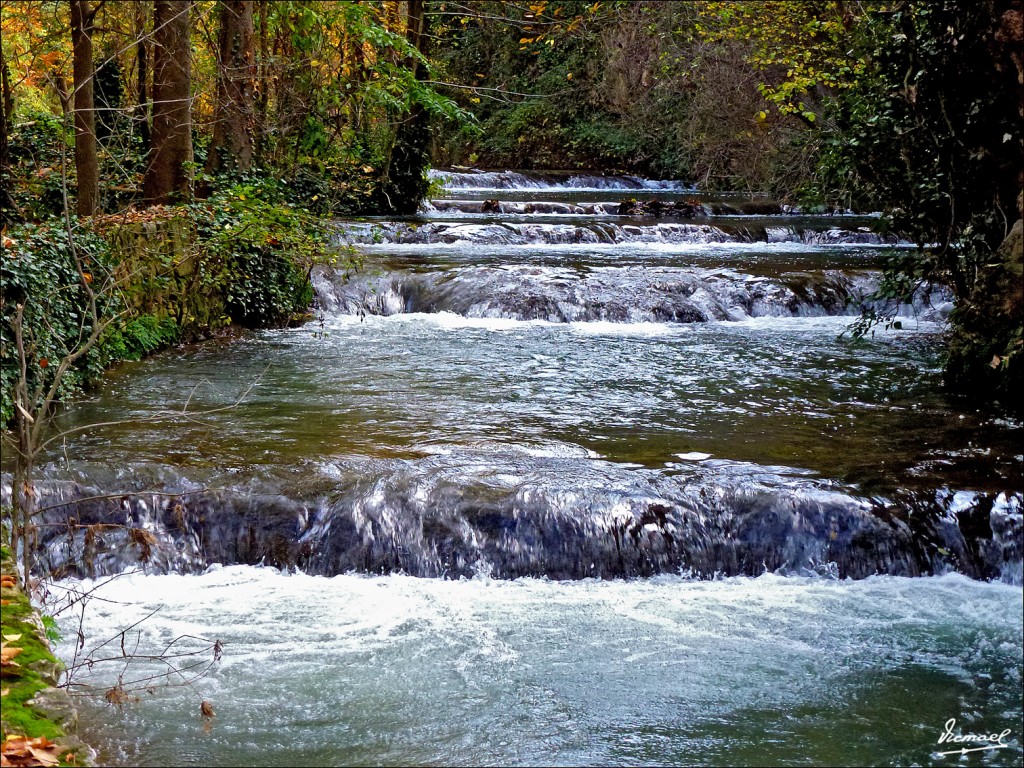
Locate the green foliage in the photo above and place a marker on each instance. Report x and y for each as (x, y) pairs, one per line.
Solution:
(933, 134)
(53, 633)
(254, 251)
(40, 273)
(801, 54)
(931, 131)
(260, 251)
(554, 57)
(40, 143)
(337, 114)
(135, 338)
(35, 144)
(640, 87)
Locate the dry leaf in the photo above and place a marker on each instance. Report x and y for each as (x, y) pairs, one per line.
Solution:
(145, 540)
(5, 691)
(20, 751)
(7, 654)
(206, 708)
(12, 638)
(118, 696)
(44, 757)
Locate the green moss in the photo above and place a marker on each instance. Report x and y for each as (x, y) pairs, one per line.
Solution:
(137, 338)
(35, 663)
(22, 686)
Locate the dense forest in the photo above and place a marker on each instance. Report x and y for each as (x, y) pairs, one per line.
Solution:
(267, 118)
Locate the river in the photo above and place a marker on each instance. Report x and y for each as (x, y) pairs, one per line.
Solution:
(548, 484)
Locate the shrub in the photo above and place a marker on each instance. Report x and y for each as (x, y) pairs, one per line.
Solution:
(40, 273)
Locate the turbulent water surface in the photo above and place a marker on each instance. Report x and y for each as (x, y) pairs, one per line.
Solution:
(666, 511)
(403, 671)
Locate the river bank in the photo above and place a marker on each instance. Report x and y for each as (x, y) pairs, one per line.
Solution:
(39, 719)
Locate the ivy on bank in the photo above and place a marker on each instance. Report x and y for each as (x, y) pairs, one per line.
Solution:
(245, 258)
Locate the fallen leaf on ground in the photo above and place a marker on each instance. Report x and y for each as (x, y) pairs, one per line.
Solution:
(20, 751)
(7, 655)
(12, 638)
(44, 757)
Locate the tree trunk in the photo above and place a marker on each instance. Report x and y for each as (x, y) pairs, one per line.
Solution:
(264, 82)
(168, 176)
(6, 201)
(404, 183)
(142, 65)
(231, 148)
(86, 157)
(23, 492)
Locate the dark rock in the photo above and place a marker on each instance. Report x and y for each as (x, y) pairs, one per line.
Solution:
(389, 526)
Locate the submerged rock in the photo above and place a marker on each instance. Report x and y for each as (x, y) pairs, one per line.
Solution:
(433, 519)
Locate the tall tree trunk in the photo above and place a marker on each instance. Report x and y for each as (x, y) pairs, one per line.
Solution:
(231, 148)
(86, 157)
(404, 183)
(168, 176)
(6, 200)
(142, 68)
(263, 80)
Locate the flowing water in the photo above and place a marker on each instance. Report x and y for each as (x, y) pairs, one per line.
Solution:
(665, 512)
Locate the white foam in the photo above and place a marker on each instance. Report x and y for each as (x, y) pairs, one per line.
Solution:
(606, 249)
(334, 667)
(834, 323)
(606, 328)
